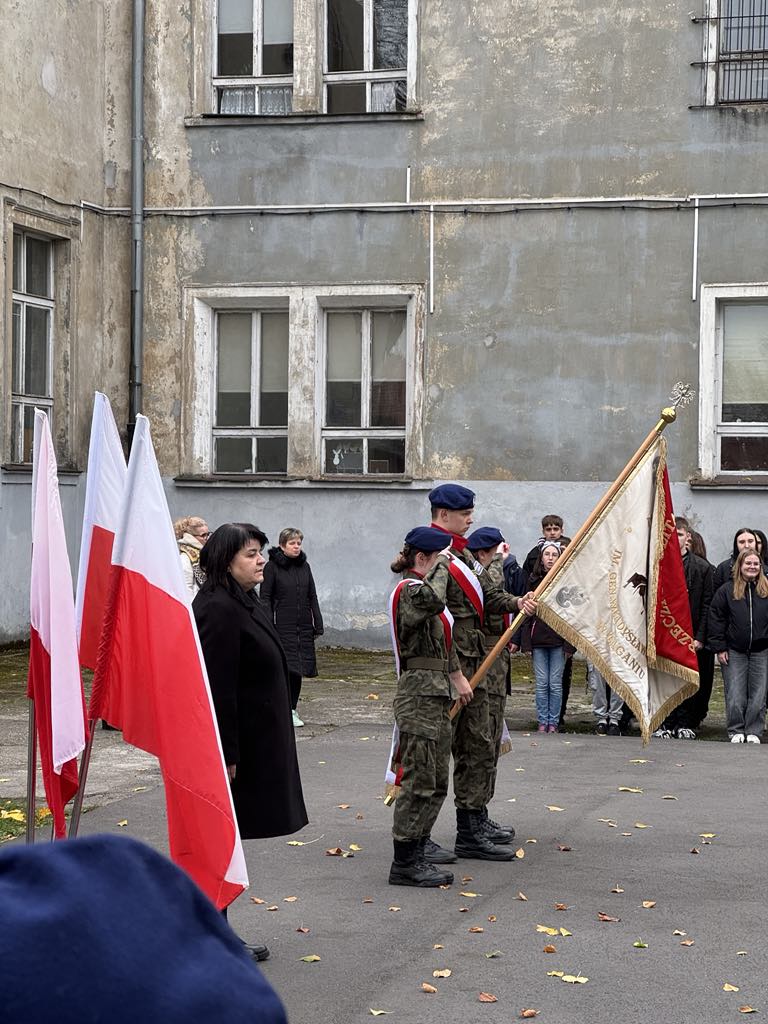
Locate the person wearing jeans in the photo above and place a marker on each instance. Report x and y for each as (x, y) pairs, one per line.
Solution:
(738, 634)
(606, 703)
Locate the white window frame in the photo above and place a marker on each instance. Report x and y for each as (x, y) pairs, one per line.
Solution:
(22, 298)
(711, 427)
(306, 390)
(711, 57)
(368, 75)
(257, 80)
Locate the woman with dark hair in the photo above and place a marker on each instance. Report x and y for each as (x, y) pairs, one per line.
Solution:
(743, 539)
(738, 634)
(248, 674)
(289, 593)
(761, 546)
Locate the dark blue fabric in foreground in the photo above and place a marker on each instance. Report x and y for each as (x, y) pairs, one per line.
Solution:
(105, 929)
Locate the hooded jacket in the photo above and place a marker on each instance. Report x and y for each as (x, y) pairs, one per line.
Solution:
(289, 592)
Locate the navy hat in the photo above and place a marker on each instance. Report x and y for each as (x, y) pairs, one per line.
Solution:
(424, 538)
(105, 928)
(452, 496)
(485, 537)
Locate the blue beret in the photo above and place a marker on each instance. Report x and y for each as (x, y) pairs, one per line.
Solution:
(105, 928)
(452, 496)
(485, 537)
(424, 538)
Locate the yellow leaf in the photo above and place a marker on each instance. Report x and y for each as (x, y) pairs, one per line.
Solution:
(529, 1013)
(363, 738)
(668, 796)
(273, 908)
(564, 932)
(43, 813)
(294, 842)
(355, 847)
(438, 946)
(547, 930)
(707, 835)
(617, 888)
(531, 840)
(394, 910)
(575, 979)
(741, 952)
(343, 807)
(493, 954)
(445, 973)
(687, 942)
(639, 760)
(139, 789)
(378, 1013)
(639, 824)
(555, 974)
(522, 896)
(746, 1009)
(476, 929)
(313, 958)
(321, 762)
(14, 815)
(520, 853)
(648, 904)
(471, 895)
(426, 987)
(678, 932)
(123, 823)
(519, 769)
(372, 696)
(367, 899)
(626, 833)
(486, 997)
(290, 899)
(640, 944)
(255, 899)
(730, 988)
(629, 789)
(553, 807)
(491, 918)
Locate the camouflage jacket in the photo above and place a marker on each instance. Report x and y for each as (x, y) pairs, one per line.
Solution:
(421, 637)
(468, 634)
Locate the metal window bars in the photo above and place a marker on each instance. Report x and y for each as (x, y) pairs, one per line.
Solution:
(735, 51)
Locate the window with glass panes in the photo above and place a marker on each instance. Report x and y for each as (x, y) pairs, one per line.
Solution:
(254, 56)
(250, 433)
(366, 56)
(32, 338)
(742, 426)
(365, 391)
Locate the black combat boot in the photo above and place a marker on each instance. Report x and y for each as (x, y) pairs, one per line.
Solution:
(499, 834)
(435, 854)
(409, 867)
(472, 841)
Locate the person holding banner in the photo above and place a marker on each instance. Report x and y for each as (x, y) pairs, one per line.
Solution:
(738, 634)
(427, 668)
(470, 595)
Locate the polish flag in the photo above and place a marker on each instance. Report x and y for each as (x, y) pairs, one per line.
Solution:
(151, 682)
(54, 682)
(103, 502)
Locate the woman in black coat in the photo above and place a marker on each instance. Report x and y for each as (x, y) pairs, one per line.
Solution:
(248, 675)
(289, 591)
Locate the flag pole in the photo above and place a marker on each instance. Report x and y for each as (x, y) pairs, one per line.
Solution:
(668, 415)
(31, 773)
(85, 762)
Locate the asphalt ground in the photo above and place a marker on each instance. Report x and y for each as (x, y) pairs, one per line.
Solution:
(581, 839)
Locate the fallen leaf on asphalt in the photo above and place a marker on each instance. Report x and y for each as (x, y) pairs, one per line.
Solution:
(463, 910)
(563, 848)
(372, 696)
(617, 888)
(695, 849)
(640, 944)
(476, 929)
(668, 796)
(494, 953)
(139, 789)
(639, 760)
(486, 997)
(355, 847)
(471, 895)
(313, 958)
(290, 899)
(553, 807)
(706, 842)
(367, 899)
(608, 821)
(363, 738)
(575, 979)
(607, 917)
(730, 988)
(531, 840)
(445, 973)
(467, 878)
(302, 930)
(336, 851)
(444, 887)
(321, 762)
(491, 918)
(565, 933)
(519, 769)
(549, 949)
(629, 789)
(522, 896)
(741, 952)
(394, 909)
(294, 842)
(562, 906)
(679, 766)
(255, 899)
(344, 807)
(648, 904)
(639, 824)
(546, 930)
(555, 974)
(426, 987)
(378, 1013)
(687, 942)
(520, 853)
(707, 835)
(529, 1013)
(273, 908)
(438, 946)
(678, 932)
(360, 817)
(747, 1009)
(626, 833)
(120, 824)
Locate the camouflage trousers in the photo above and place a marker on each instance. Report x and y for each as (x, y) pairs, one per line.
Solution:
(496, 705)
(473, 751)
(425, 755)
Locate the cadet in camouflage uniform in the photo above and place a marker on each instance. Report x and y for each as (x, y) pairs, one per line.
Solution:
(483, 544)
(473, 749)
(428, 666)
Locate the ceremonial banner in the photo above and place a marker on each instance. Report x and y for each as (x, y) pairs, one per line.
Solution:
(620, 597)
(54, 682)
(103, 502)
(151, 682)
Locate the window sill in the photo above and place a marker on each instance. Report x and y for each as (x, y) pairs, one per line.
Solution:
(237, 121)
(313, 483)
(751, 482)
(21, 473)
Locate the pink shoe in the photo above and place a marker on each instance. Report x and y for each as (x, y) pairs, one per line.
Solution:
(542, 728)
(551, 728)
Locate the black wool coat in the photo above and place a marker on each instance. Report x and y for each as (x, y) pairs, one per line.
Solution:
(249, 684)
(289, 591)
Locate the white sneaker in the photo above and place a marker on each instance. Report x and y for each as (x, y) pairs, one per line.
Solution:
(662, 734)
(686, 734)
(297, 722)
(738, 737)
(753, 739)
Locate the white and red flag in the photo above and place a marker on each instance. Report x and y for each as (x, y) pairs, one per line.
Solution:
(54, 682)
(103, 503)
(151, 682)
(621, 599)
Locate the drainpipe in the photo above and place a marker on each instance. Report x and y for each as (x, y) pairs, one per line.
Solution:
(137, 219)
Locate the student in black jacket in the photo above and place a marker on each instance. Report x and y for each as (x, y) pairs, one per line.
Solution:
(743, 539)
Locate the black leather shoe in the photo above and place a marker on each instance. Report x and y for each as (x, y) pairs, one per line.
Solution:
(257, 953)
(472, 842)
(435, 854)
(410, 868)
(499, 834)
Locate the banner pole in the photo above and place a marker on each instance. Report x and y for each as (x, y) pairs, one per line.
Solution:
(31, 773)
(668, 415)
(85, 763)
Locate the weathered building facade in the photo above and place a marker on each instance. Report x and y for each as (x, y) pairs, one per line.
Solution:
(390, 242)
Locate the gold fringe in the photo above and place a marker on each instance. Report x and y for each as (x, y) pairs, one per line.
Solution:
(391, 792)
(660, 508)
(505, 748)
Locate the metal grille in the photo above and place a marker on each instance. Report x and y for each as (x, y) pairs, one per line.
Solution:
(742, 72)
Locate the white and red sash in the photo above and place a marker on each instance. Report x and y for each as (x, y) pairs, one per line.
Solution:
(469, 584)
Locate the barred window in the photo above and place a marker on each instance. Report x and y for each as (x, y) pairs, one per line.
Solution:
(735, 51)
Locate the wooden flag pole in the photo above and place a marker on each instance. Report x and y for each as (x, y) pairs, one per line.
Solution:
(668, 415)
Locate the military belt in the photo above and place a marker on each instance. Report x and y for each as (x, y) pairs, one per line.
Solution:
(432, 664)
